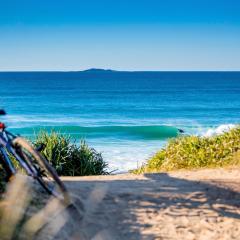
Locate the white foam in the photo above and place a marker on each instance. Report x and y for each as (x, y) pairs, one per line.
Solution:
(219, 130)
(127, 155)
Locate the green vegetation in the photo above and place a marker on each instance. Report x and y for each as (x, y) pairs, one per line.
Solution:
(66, 157)
(191, 152)
(69, 159)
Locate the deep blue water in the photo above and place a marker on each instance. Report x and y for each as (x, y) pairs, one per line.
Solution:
(126, 115)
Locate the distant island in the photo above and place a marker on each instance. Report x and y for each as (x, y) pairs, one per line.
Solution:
(98, 70)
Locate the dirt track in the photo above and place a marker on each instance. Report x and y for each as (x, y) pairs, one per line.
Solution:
(182, 205)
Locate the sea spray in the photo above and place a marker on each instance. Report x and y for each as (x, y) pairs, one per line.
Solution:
(218, 130)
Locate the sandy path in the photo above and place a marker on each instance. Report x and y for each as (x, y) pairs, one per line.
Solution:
(180, 205)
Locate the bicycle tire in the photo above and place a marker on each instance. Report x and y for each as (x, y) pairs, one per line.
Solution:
(8, 171)
(24, 146)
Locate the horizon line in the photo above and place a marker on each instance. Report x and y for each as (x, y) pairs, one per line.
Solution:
(101, 70)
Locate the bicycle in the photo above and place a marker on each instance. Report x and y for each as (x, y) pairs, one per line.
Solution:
(31, 161)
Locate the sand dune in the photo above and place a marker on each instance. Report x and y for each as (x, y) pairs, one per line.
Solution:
(203, 204)
(179, 205)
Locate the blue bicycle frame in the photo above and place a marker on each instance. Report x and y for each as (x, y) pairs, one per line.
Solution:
(6, 144)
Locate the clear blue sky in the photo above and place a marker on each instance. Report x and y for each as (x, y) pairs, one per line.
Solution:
(122, 35)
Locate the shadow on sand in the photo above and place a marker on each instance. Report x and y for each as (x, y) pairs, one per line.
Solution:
(138, 207)
(125, 209)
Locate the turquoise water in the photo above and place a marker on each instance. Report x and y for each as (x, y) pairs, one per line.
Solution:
(125, 115)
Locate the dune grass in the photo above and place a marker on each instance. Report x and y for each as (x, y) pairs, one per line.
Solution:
(68, 158)
(192, 152)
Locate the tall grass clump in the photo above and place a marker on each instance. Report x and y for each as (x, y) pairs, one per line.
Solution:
(69, 159)
(190, 152)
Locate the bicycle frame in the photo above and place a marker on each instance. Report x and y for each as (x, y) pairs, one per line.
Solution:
(6, 146)
(30, 159)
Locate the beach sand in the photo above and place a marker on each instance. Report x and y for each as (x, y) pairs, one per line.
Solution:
(201, 204)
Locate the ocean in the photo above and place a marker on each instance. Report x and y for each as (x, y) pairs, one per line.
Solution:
(127, 116)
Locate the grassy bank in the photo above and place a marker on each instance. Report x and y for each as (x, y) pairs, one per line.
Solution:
(68, 158)
(191, 152)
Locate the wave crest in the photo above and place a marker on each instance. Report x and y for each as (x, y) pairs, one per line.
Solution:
(218, 130)
(142, 132)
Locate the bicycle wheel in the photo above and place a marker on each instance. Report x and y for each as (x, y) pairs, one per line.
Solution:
(8, 168)
(46, 174)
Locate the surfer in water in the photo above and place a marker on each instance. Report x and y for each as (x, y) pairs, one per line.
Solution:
(180, 130)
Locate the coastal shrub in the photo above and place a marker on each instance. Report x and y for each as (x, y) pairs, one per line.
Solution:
(57, 148)
(69, 159)
(189, 152)
(65, 156)
(84, 161)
